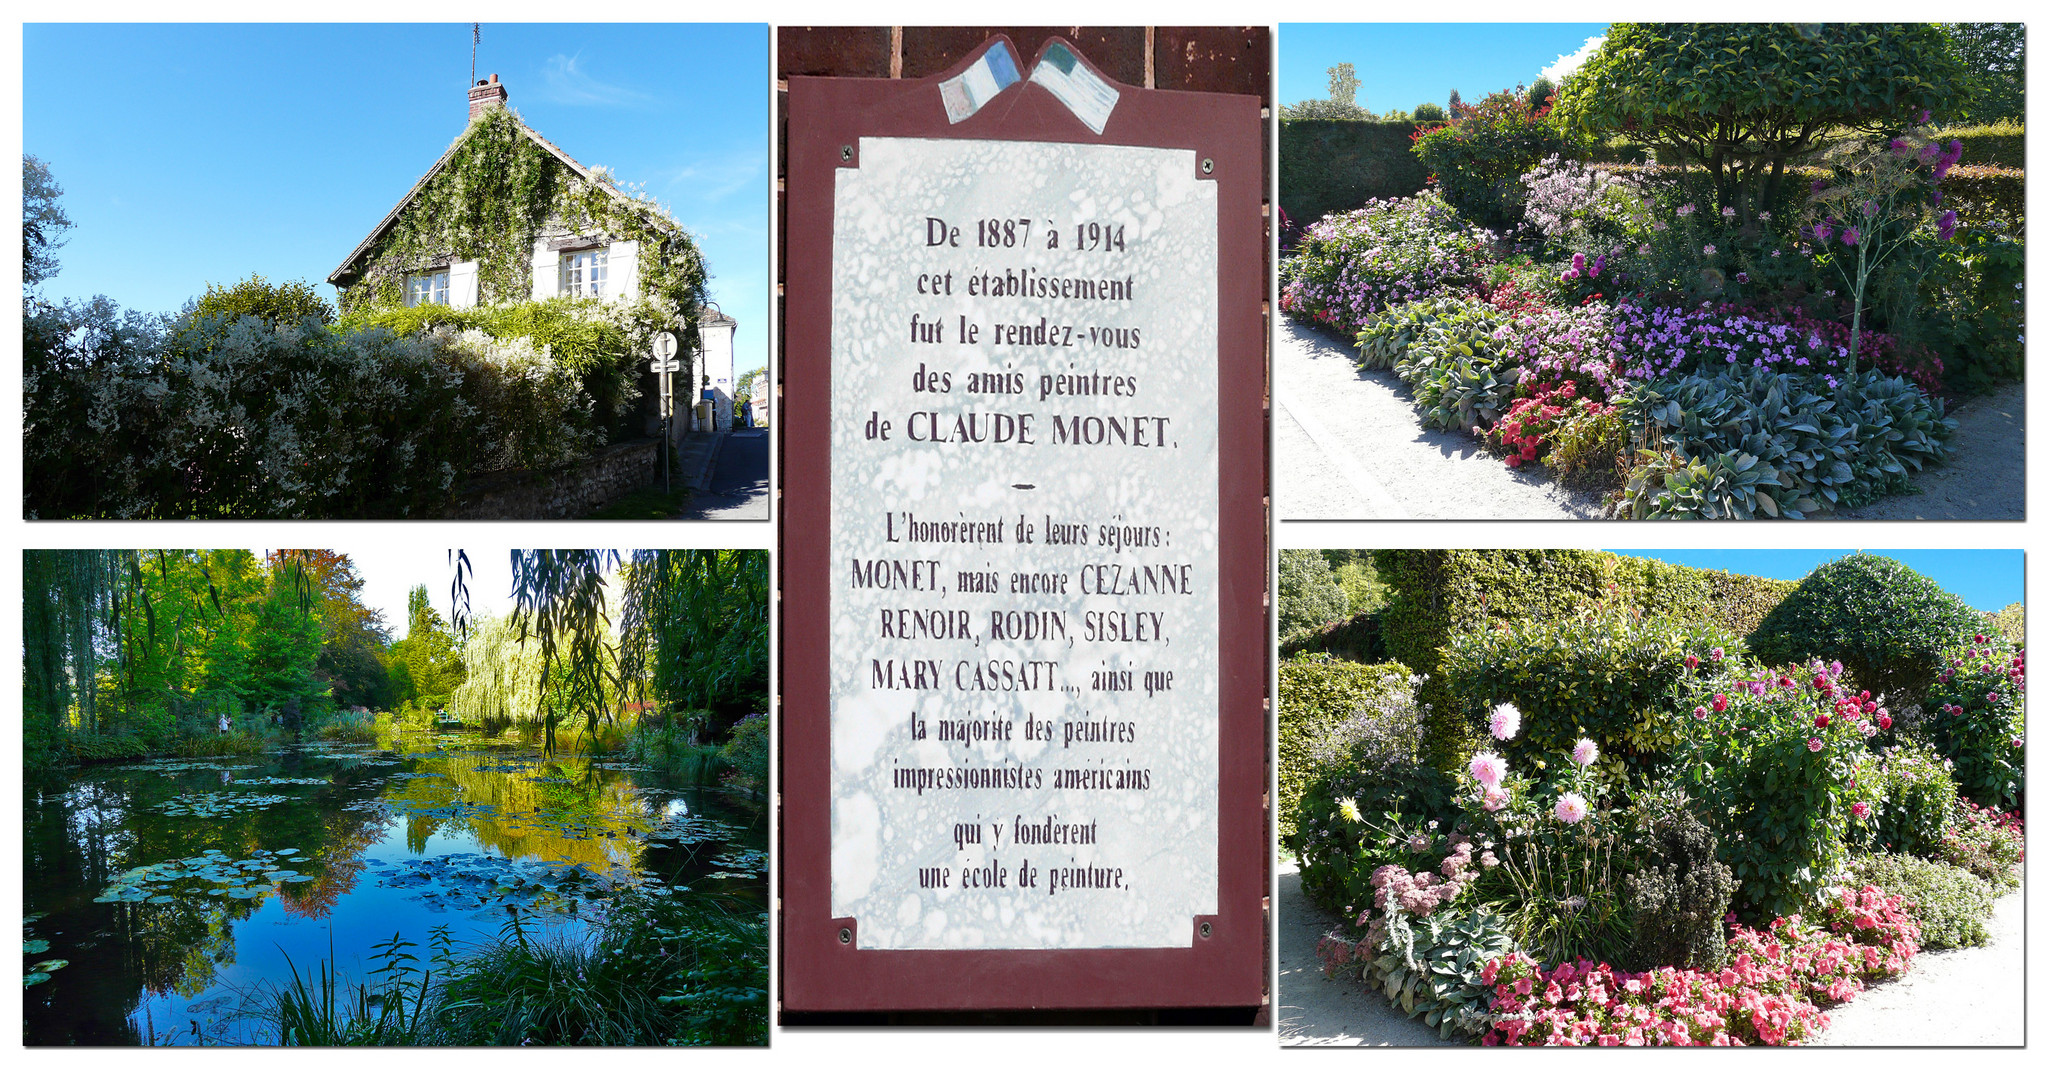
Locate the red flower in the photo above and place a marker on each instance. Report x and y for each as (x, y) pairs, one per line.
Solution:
(1719, 703)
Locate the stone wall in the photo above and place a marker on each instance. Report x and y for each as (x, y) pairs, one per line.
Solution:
(567, 491)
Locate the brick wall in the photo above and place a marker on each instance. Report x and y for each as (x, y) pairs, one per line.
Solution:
(569, 490)
(1209, 59)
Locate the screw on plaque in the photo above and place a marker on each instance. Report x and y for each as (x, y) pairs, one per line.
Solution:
(1204, 931)
(1209, 165)
(844, 935)
(846, 153)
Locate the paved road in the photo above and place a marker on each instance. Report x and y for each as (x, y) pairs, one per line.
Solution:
(740, 490)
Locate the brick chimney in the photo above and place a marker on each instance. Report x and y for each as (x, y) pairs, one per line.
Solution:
(486, 94)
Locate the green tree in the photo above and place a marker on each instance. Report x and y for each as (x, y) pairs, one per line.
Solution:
(1743, 100)
(695, 628)
(43, 222)
(1431, 112)
(254, 297)
(1994, 54)
(429, 653)
(1309, 595)
(1345, 86)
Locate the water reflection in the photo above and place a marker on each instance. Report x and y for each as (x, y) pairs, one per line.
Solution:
(175, 891)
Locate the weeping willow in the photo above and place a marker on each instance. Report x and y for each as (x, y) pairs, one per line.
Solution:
(561, 601)
(503, 678)
(71, 614)
(694, 628)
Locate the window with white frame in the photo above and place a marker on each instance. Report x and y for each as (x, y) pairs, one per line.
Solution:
(431, 287)
(583, 273)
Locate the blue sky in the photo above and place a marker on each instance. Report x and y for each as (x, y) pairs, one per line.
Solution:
(192, 154)
(1403, 65)
(1988, 579)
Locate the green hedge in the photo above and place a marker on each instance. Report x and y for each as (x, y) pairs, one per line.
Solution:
(1333, 165)
(1316, 692)
(1887, 623)
(1987, 194)
(1356, 638)
(2001, 143)
(1433, 594)
(1613, 678)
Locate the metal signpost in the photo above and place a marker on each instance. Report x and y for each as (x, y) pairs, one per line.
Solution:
(664, 348)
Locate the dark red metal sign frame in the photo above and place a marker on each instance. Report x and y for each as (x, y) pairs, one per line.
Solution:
(820, 967)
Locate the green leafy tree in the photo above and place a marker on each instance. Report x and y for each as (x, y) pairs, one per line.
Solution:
(429, 652)
(1345, 86)
(254, 297)
(43, 222)
(694, 629)
(1994, 54)
(1887, 623)
(1431, 112)
(1310, 596)
(1744, 100)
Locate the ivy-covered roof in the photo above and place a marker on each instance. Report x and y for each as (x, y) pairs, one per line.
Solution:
(344, 274)
(498, 186)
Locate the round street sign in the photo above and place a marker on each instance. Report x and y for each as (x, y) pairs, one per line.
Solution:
(664, 345)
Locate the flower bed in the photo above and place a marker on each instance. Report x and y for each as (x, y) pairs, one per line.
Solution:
(1644, 290)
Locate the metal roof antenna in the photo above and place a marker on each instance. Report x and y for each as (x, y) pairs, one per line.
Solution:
(475, 56)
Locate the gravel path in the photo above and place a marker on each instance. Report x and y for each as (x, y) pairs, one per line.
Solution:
(1348, 446)
(1968, 997)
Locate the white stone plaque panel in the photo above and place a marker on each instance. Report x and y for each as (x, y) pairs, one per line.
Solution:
(1024, 551)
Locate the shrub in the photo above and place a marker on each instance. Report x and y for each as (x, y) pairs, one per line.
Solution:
(1774, 756)
(1448, 351)
(1480, 155)
(1987, 842)
(749, 752)
(1350, 265)
(1309, 596)
(1910, 790)
(1975, 713)
(1588, 448)
(1339, 718)
(1682, 890)
(287, 303)
(1888, 624)
(1951, 905)
(1558, 344)
(1610, 677)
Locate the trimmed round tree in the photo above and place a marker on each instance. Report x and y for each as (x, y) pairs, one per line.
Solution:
(1887, 623)
(1743, 100)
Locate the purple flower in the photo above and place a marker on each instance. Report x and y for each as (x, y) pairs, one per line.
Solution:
(1947, 223)
(1710, 249)
(1743, 279)
(1870, 208)
(1727, 211)
(1850, 237)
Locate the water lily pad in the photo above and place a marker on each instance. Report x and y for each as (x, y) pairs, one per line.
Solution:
(35, 945)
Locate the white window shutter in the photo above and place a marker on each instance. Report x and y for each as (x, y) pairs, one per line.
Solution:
(464, 284)
(543, 271)
(622, 270)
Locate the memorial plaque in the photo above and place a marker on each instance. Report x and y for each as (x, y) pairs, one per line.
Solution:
(1023, 726)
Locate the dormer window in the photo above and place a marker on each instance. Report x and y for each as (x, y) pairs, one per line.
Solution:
(431, 287)
(583, 273)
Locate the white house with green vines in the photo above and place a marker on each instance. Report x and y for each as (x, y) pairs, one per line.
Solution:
(505, 216)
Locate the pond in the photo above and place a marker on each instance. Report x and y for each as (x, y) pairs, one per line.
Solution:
(163, 901)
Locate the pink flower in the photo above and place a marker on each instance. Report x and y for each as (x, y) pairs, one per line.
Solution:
(1585, 752)
(1860, 809)
(1717, 653)
(1993, 695)
(1816, 744)
(1487, 769)
(1504, 721)
(1571, 808)
(1699, 712)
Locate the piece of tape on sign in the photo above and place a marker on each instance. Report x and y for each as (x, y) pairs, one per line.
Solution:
(967, 91)
(1078, 88)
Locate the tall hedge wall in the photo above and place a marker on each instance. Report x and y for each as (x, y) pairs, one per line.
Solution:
(1316, 691)
(1333, 165)
(1434, 594)
(1356, 638)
